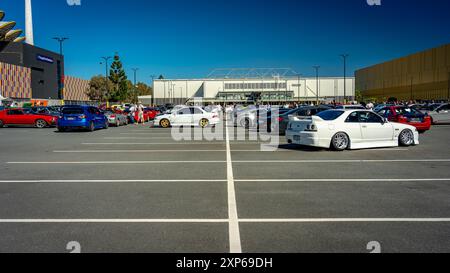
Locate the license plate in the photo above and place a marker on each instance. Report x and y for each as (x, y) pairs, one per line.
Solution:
(70, 118)
(416, 120)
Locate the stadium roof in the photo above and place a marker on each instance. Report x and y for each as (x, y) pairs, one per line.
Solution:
(7, 34)
(251, 73)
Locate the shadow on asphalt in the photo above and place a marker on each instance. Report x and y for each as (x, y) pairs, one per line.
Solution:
(293, 147)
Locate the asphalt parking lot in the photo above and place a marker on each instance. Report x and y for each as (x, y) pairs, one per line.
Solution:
(136, 189)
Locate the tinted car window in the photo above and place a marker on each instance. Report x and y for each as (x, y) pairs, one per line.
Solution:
(369, 117)
(353, 118)
(445, 107)
(72, 111)
(406, 111)
(196, 111)
(184, 111)
(330, 115)
(15, 112)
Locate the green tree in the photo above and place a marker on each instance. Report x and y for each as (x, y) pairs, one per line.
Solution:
(119, 79)
(161, 77)
(99, 88)
(143, 89)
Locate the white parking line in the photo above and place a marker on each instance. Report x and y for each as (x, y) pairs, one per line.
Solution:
(238, 161)
(234, 233)
(287, 220)
(114, 162)
(337, 161)
(161, 151)
(345, 220)
(111, 181)
(150, 143)
(138, 151)
(347, 180)
(102, 221)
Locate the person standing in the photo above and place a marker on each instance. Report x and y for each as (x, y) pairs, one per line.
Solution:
(132, 113)
(141, 114)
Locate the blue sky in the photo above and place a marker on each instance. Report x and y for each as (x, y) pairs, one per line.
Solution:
(188, 38)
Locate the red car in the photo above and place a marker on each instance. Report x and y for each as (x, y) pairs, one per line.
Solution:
(149, 114)
(17, 116)
(407, 115)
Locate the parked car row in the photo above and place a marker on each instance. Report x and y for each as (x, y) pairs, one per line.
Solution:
(187, 116)
(70, 117)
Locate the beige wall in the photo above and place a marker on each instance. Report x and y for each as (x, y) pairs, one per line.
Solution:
(423, 76)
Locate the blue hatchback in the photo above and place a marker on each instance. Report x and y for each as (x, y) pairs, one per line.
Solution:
(82, 117)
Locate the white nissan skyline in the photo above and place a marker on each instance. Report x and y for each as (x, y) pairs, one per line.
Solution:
(350, 129)
(188, 116)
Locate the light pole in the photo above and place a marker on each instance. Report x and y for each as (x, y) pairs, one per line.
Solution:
(316, 67)
(299, 76)
(135, 70)
(61, 41)
(153, 88)
(448, 87)
(345, 56)
(61, 76)
(106, 59)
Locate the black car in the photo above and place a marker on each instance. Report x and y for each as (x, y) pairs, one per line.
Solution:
(302, 112)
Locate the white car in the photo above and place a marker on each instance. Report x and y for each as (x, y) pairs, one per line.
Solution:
(440, 114)
(188, 116)
(350, 129)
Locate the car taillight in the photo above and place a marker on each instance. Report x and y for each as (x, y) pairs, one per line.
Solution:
(280, 119)
(402, 119)
(82, 116)
(311, 128)
(113, 116)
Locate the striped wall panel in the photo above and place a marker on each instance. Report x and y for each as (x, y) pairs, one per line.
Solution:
(75, 89)
(15, 81)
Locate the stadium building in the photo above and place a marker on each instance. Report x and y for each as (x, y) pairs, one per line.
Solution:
(274, 86)
(28, 72)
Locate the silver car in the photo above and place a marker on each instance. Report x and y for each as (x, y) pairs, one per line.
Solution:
(116, 119)
(440, 114)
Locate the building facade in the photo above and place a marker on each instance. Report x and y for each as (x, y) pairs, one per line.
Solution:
(421, 76)
(274, 90)
(28, 72)
(46, 67)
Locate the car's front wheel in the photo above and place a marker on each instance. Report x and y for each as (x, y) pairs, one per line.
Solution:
(204, 123)
(1, 124)
(340, 142)
(40, 123)
(406, 138)
(164, 123)
(91, 126)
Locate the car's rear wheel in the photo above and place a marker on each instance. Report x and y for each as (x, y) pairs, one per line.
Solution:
(406, 138)
(91, 127)
(118, 123)
(164, 123)
(340, 142)
(106, 125)
(40, 123)
(204, 123)
(1, 124)
(245, 123)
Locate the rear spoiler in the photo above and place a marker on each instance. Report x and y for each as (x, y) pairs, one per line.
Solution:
(312, 118)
